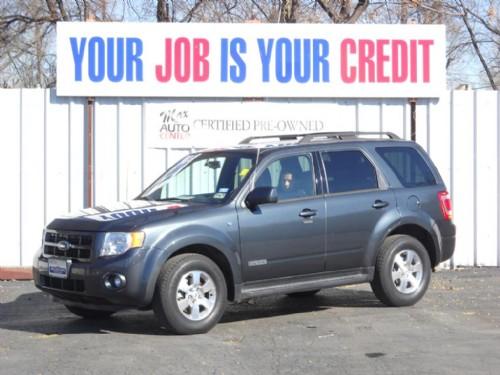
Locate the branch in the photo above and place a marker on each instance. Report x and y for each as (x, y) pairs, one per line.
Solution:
(77, 3)
(358, 11)
(344, 17)
(330, 12)
(6, 21)
(261, 10)
(345, 8)
(62, 10)
(52, 8)
(190, 14)
(485, 24)
(476, 48)
(454, 12)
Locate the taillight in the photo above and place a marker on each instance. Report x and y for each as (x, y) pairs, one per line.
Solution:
(445, 204)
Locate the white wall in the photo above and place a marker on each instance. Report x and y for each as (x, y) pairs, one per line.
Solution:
(43, 145)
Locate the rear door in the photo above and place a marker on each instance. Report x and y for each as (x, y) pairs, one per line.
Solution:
(356, 200)
(284, 238)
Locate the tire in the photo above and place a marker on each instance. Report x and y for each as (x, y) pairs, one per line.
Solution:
(308, 293)
(190, 295)
(402, 271)
(90, 314)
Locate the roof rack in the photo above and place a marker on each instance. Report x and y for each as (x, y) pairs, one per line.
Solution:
(281, 137)
(308, 138)
(312, 137)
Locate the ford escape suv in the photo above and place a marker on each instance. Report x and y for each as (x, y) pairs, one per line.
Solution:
(287, 214)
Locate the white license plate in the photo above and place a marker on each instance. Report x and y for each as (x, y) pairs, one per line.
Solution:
(59, 268)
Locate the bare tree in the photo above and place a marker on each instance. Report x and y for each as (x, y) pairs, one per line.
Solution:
(163, 11)
(27, 33)
(473, 39)
(473, 30)
(475, 44)
(287, 11)
(342, 11)
(170, 11)
(27, 27)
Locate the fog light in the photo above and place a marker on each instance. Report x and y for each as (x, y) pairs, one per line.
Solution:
(115, 281)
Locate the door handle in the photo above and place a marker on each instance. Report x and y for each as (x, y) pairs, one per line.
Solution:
(380, 204)
(307, 212)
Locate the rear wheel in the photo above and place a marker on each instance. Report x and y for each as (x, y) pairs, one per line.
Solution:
(402, 271)
(191, 294)
(308, 293)
(88, 313)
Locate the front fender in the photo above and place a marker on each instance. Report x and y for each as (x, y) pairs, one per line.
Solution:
(185, 236)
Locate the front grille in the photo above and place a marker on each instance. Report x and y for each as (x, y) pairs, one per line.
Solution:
(80, 244)
(62, 284)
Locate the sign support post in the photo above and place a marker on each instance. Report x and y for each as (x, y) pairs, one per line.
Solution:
(413, 118)
(90, 152)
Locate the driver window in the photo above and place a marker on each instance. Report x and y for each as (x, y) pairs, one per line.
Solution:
(292, 177)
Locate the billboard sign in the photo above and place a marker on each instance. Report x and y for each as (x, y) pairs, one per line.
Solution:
(249, 60)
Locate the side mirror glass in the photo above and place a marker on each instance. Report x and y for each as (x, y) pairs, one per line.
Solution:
(261, 195)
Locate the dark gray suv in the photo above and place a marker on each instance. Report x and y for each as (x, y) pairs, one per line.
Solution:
(287, 214)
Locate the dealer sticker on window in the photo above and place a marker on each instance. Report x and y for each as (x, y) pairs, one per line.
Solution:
(59, 268)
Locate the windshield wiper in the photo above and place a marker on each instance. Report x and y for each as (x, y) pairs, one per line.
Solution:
(174, 199)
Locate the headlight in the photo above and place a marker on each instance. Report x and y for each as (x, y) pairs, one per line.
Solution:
(116, 243)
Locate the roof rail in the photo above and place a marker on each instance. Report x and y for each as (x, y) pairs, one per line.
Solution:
(311, 137)
(308, 138)
(281, 137)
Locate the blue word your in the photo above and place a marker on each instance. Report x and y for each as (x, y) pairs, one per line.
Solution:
(113, 58)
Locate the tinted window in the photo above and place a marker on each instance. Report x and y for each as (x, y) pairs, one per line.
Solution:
(291, 176)
(408, 165)
(349, 171)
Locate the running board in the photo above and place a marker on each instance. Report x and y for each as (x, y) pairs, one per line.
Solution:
(294, 284)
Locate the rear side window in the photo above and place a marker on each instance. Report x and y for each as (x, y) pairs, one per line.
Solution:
(408, 165)
(349, 171)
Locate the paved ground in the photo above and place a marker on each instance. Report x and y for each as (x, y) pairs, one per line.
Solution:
(455, 329)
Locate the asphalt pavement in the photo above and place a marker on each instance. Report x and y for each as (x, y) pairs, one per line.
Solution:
(455, 329)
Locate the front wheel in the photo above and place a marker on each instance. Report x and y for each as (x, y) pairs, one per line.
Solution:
(402, 271)
(190, 295)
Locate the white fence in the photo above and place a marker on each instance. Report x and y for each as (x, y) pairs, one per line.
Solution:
(42, 155)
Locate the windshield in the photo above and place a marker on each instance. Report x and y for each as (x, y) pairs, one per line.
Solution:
(208, 178)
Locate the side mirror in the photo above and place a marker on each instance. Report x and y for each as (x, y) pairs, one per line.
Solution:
(261, 195)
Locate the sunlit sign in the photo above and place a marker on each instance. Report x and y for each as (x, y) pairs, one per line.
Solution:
(249, 60)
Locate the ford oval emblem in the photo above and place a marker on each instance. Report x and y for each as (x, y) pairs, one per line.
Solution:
(63, 245)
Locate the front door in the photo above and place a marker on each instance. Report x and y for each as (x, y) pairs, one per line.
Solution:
(288, 237)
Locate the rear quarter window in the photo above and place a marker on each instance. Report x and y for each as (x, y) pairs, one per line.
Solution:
(408, 165)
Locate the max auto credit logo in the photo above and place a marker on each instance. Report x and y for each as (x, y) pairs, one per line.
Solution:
(175, 124)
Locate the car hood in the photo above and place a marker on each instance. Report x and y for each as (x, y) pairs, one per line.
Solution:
(123, 216)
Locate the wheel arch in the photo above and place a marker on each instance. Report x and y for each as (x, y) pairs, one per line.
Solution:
(422, 235)
(215, 255)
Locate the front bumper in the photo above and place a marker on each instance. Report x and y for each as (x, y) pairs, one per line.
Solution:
(85, 283)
